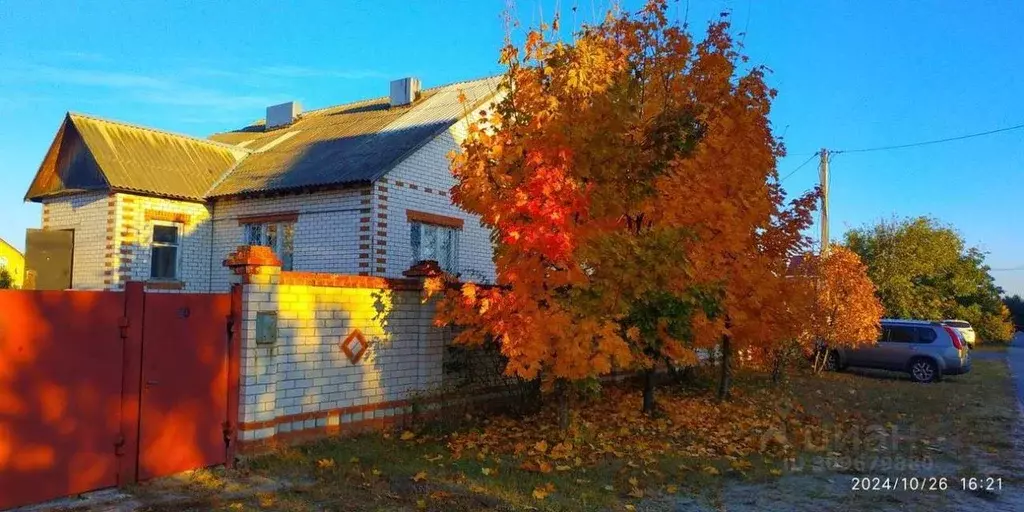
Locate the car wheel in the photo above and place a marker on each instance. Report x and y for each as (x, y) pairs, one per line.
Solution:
(923, 370)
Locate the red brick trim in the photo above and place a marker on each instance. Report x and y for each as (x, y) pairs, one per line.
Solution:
(165, 285)
(269, 217)
(346, 346)
(337, 413)
(422, 269)
(182, 218)
(479, 394)
(402, 416)
(380, 234)
(257, 446)
(108, 260)
(433, 218)
(126, 244)
(347, 281)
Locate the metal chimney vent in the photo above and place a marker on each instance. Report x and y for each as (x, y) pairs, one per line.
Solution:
(404, 91)
(283, 114)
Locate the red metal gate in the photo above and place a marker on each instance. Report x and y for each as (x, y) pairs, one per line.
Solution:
(184, 383)
(60, 393)
(99, 389)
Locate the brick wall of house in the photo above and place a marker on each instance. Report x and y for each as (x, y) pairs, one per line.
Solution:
(327, 233)
(89, 215)
(422, 183)
(303, 384)
(129, 254)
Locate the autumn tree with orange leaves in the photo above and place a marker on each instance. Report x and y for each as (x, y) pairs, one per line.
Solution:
(846, 311)
(629, 178)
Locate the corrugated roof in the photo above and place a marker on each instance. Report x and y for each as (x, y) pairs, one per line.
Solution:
(91, 153)
(134, 158)
(357, 142)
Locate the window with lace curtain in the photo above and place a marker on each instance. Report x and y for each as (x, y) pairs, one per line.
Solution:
(279, 236)
(437, 243)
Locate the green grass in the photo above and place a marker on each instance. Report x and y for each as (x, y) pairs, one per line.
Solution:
(992, 347)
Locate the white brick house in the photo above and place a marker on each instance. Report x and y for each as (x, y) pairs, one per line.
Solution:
(360, 188)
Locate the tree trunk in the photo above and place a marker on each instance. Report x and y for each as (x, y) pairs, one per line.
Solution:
(726, 375)
(777, 367)
(649, 391)
(820, 360)
(562, 390)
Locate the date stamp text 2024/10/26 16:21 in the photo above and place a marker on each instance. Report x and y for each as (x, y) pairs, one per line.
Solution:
(925, 484)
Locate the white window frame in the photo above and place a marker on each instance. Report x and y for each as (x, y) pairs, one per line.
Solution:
(452, 265)
(153, 244)
(278, 248)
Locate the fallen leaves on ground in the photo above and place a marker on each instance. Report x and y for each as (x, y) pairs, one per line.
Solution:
(762, 423)
(542, 491)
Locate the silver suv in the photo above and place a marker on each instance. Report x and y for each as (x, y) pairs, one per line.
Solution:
(925, 350)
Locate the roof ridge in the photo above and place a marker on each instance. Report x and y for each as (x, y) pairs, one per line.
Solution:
(379, 98)
(221, 145)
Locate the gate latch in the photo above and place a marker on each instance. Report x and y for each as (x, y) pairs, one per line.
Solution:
(119, 445)
(228, 431)
(124, 323)
(231, 328)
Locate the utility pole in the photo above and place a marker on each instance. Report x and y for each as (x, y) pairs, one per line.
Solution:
(823, 180)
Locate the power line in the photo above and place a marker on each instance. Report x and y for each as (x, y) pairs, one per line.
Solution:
(801, 166)
(929, 142)
(1009, 269)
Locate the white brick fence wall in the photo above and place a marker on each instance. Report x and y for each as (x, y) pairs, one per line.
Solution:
(300, 383)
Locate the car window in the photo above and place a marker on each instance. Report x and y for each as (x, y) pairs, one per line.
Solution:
(926, 335)
(884, 335)
(902, 334)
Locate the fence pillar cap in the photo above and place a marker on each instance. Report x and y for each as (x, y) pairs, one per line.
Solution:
(424, 269)
(250, 260)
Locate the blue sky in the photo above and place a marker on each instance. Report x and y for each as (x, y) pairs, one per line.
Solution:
(850, 75)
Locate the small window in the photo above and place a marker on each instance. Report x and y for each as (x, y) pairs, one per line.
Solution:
(3, 262)
(926, 335)
(437, 243)
(902, 334)
(279, 236)
(164, 256)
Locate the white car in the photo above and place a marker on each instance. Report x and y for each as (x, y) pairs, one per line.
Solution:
(963, 328)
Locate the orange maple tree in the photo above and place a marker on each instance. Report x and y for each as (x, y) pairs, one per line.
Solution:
(846, 310)
(629, 178)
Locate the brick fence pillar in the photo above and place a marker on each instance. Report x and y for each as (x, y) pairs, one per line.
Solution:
(258, 270)
(431, 339)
